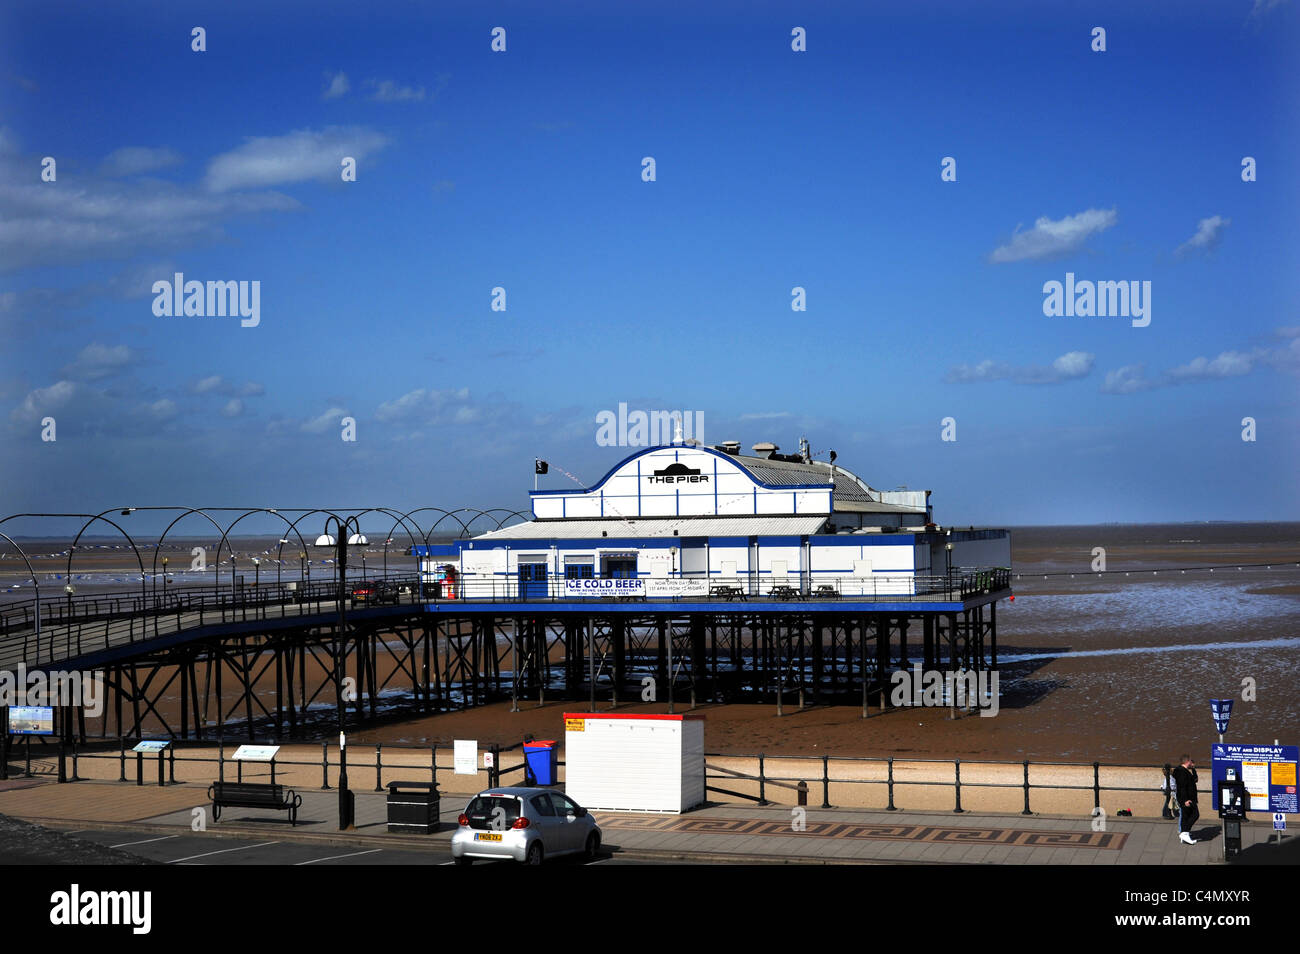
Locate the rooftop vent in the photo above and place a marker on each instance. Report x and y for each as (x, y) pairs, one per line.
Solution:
(729, 447)
(765, 447)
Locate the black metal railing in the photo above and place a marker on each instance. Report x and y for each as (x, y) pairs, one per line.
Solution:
(144, 768)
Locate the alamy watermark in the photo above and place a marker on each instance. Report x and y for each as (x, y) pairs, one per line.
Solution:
(177, 298)
(55, 688)
(1088, 299)
(940, 689)
(648, 428)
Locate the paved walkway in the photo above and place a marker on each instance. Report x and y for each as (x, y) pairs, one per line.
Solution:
(735, 833)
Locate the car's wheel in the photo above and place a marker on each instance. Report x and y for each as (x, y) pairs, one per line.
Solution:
(463, 862)
(534, 856)
(593, 846)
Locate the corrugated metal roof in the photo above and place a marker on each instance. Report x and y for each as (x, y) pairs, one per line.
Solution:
(849, 493)
(791, 525)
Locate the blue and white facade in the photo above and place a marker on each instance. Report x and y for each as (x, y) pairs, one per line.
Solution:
(688, 520)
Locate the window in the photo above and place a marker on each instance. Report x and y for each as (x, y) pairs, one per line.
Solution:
(542, 803)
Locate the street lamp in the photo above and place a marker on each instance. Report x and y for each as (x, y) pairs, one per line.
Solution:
(948, 548)
(164, 579)
(340, 544)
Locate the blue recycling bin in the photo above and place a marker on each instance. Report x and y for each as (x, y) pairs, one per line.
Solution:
(542, 760)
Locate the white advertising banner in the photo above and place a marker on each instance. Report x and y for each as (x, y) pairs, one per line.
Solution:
(671, 587)
(603, 588)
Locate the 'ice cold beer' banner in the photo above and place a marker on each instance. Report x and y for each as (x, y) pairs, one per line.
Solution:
(658, 589)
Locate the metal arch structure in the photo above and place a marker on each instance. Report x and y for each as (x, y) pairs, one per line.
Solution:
(388, 536)
(144, 588)
(225, 538)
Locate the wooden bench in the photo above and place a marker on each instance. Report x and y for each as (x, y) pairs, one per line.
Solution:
(727, 592)
(827, 592)
(253, 795)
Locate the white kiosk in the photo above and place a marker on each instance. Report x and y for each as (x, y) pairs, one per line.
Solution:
(634, 763)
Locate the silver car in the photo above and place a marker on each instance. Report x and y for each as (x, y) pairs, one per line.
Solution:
(526, 824)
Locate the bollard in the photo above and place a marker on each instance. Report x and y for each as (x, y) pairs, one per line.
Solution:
(802, 789)
(891, 807)
(221, 760)
(826, 781)
(75, 776)
(379, 767)
(1026, 811)
(762, 782)
(957, 764)
(1096, 785)
(171, 765)
(433, 765)
(139, 768)
(63, 764)
(161, 775)
(122, 767)
(325, 766)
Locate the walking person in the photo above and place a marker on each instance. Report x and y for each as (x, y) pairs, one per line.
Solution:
(1185, 793)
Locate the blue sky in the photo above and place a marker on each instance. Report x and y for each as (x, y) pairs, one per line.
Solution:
(774, 169)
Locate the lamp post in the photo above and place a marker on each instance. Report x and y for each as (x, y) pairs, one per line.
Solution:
(340, 544)
(948, 548)
(164, 579)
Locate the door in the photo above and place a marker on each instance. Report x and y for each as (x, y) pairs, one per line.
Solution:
(554, 832)
(532, 581)
(621, 568)
(574, 827)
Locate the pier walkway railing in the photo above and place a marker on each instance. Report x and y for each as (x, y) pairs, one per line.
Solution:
(39, 631)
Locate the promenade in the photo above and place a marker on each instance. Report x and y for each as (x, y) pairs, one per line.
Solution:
(718, 833)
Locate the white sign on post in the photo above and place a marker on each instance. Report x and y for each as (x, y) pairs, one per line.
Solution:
(487, 759)
(255, 753)
(465, 757)
(1279, 821)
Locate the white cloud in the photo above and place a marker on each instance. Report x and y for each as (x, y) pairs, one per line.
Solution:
(1229, 364)
(216, 384)
(386, 91)
(162, 409)
(338, 85)
(135, 160)
(99, 361)
(1208, 234)
(1052, 239)
(1068, 367)
(43, 401)
(323, 422)
(233, 408)
(299, 156)
(109, 219)
(1127, 380)
(423, 406)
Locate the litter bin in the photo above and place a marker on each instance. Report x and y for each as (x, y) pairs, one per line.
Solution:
(541, 762)
(413, 807)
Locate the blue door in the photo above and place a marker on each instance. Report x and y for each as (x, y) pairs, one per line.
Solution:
(532, 581)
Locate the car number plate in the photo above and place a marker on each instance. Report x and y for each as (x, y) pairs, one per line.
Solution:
(487, 836)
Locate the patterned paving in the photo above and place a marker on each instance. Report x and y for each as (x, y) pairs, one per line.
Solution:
(946, 834)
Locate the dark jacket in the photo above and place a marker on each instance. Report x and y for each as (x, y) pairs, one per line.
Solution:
(1185, 784)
